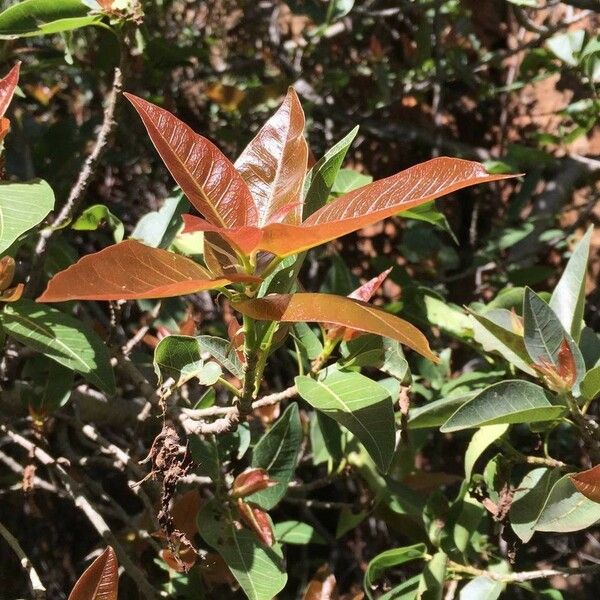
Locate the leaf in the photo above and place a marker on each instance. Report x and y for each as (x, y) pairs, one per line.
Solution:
(296, 532)
(205, 175)
(348, 180)
(40, 17)
(257, 567)
(374, 351)
(22, 206)
(431, 583)
(482, 588)
(567, 510)
(336, 310)
(511, 401)
(273, 164)
(388, 559)
(277, 453)
(62, 338)
(567, 46)
(405, 591)
(359, 404)
(223, 352)
(479, 443)
(588, 483)
(179, 357)
(158, 228)
(428, 213)
(8, 85)
(436, 413)
(100, 581)
(568, 298)
(50, 388)
(529, 499)
(129, 271)
(590, 386)
(95, 216)
(321, 178)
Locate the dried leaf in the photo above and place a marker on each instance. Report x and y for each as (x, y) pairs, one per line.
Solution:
(100, 581)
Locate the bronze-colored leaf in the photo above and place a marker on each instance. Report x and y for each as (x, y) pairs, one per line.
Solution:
(274, 164)
(7, 88)
(250, 481)
(204, 173)
(588, 483)
(127, 271)
(258, 521)
(336, 310)
(322, 586)
(100, 581)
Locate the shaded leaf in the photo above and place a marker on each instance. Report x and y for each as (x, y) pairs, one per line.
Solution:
(479, 443)
(158, 228)
(436, 413)
(100, 581)
(296, 532)
(179, 357)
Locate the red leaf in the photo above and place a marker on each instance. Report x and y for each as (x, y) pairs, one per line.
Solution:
(274, 163)
(250, 481)
(100, 581)
(257, 520)
(129, 271)
(204, 173)
(336, 310)
(7, 88)
(7, 271)
(588, 483)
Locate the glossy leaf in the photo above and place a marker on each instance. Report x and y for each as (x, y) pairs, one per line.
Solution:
(298, 533)
(8, 85)
(22, 206)
(62, 338)
(588, 483)
(250, 481)
(129, 271)
(204, 173)
(436, 413)
(511, 401)
(100, 581)
(567, 510)
(179, 357)
(388, 559)
(258, 521)
(274, 164)
(336, 310)
(320, 179)
(93, 217)
(257, 567)
(568, 297)
(359, 404)
(277, 453)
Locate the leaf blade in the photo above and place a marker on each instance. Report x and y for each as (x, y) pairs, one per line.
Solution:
(100, 581)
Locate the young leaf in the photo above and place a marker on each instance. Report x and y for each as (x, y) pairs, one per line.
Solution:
(277, 453)
(336, 310)
(274, 164)
(223, 352)
(320, 179)
(62, 338)
(100, 581)
(129, 271)
(568, 298)
(257, 567)
(512, 401)
(95, 216)
(205, 175)
(8, 85)
(588, 483)
(359, 404)
(22, 206)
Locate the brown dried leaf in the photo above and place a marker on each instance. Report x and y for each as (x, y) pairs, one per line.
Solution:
(100, 581)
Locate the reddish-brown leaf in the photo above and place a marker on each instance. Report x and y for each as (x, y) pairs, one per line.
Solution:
(274, 164)
(100, 581)
(258, 521)
(7, 271)
(250, 481)
(336, 310)
(12, 294)
(588, 483)
(322, 586)
(129, 271)
(204, 173)
(7, 88)
(184, 512)
(567, 369)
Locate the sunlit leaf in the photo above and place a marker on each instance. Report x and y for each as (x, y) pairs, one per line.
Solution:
(274, 164)
(588, 483)
(336, 310)
(95, 216)
(479, 443)
(126, 271)
(296, 532)
(179, 357)
(100, 581)
(158, 228)
(204, 173)
(8, 85)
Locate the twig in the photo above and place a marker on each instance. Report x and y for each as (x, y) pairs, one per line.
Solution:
(77, 193)
(39, 591)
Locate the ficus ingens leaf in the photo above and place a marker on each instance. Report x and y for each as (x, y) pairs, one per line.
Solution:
(100, 581)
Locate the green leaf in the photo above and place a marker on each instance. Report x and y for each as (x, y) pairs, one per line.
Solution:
(258, 568)
(374, 351)
(469, 515)
(320, 179)
(429, 213)
(325, 439)
(206, 455)
(388, 559)
(42, 17)
(22, 206)
(179, 357)
(222, 351)
(482, 588)
(348, 180)
(405, 591)
(359, 404)
(62, 338)
(277, 453)
(567, 510)
(209, 373)
(568, 298)
(158, 228)
(308, 340)
(297, 532)
(479, 443)
(431, 582)
(590, 386)
(544, 334)
(95, 216)
(529, 499)
(567, 46)
(50, 387)
(511, 401)
(436, 413)
(493, 330)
